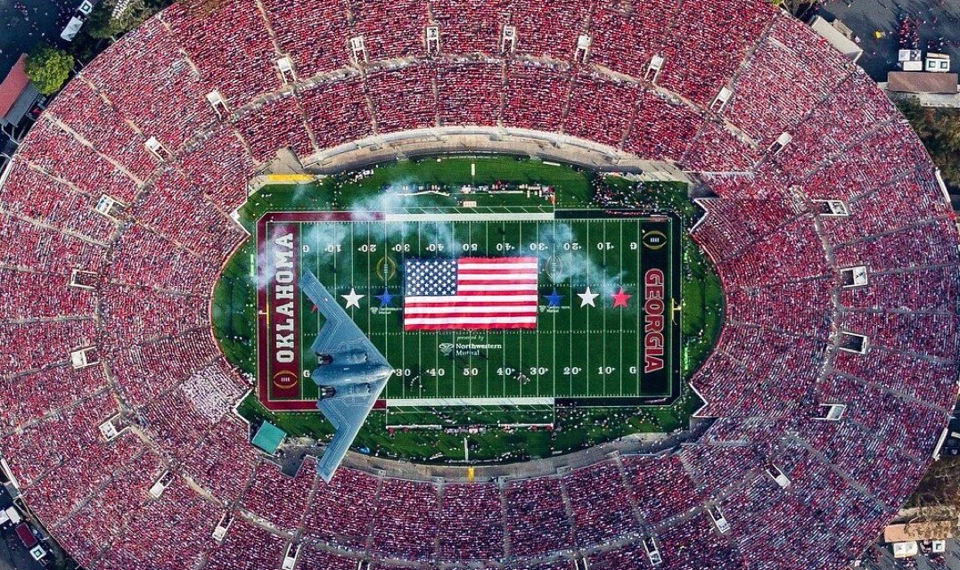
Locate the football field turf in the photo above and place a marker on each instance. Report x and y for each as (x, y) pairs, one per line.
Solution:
(584, 350)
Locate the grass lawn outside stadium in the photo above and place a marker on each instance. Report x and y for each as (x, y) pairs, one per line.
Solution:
(582, 376)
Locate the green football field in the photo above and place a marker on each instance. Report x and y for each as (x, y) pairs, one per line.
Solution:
(576, 351)
(579, 362)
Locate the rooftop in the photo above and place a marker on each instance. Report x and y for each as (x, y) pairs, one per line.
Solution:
(269, 437)
(922, 82)
(13, 85)
(837, 35)
(917, 531)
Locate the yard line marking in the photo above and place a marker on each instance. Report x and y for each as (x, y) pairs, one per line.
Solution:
(500, 216)
(538, 336)
(520, 363)
(482, 401)
(317, 248)
(589, 314)
(570, 317)
(639, 320)
(553, 337)
(369, 293)
(603, 377)
(620, 371)
(386, 249)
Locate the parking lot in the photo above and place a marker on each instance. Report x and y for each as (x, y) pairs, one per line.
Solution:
(936, 19)
(24, 23)
(13, 556)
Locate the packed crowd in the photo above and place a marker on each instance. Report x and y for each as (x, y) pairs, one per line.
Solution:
(475, 537)
(40, 198)
(708, 44)
(597, 494)
(536, 517)
(790, 55)
(775, 369)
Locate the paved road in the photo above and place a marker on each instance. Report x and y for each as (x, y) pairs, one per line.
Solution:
(24, 23)
(938, 19)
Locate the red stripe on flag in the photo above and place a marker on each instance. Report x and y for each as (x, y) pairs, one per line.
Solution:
(455, 314)
(466, 261)
(468, 303)
(489, 326)
(498, 281)
(506, 270)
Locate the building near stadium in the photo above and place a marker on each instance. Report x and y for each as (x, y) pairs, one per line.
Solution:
(826, 397)
(268, 437)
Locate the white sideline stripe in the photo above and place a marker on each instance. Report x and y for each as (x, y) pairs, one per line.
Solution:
(492, 299)
(508, 217)
(409, 311)
(433, 402)
(468, 320)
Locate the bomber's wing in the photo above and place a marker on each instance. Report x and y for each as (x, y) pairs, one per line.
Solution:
(339, 333)
(346, 416)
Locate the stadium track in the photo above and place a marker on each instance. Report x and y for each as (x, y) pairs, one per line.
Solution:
(779, 361)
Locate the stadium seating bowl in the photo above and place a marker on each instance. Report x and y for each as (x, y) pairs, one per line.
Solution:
(124, 187)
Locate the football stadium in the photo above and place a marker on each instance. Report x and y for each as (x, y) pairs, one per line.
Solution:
(451, 284)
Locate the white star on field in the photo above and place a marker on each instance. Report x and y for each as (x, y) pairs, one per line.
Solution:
(587, 298)
(353, 299)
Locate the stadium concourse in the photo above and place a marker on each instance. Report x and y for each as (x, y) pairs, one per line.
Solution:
(830, 385)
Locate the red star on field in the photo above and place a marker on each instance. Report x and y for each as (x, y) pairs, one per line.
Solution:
(620, 298)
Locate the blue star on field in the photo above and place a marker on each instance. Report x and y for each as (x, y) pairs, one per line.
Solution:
(385, 298)
(553, 299)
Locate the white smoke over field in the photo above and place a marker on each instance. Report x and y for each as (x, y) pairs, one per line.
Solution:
(392, 199)
(566, 255)
(578, 260)
(389, 200)
(326, 236)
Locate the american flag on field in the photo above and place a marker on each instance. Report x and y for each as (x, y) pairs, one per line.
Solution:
(470, 293)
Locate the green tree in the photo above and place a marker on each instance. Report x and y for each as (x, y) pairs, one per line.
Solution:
(939, 130)
(796, 7)
(101, 24)
(105, 24)
(48, 68)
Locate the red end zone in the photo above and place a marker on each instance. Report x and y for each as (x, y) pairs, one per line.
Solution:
(279, 369)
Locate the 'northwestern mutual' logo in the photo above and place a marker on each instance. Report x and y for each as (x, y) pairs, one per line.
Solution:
(450, 349)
